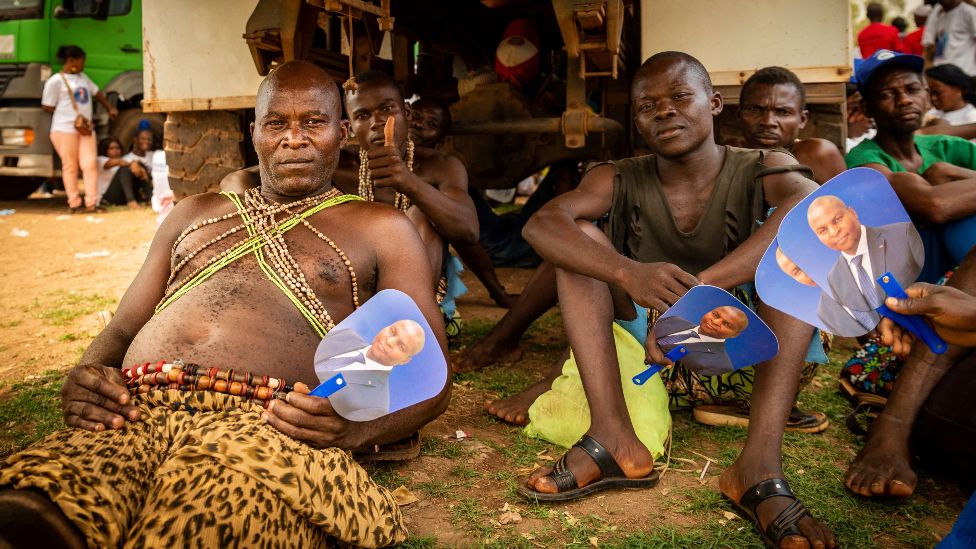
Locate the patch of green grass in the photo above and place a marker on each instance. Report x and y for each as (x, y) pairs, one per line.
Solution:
(464, 472)
(468, 513)
(503, 381)
(68, 306)
(437, 446)
(700, 502)
(69, 337)
(669, 537)
(473, 330)
(436, 489)
(510, 541)
(386, 475)
(523, 450)
(11, 324)
(30, 411)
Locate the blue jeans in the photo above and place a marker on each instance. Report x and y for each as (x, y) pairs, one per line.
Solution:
(946, 246)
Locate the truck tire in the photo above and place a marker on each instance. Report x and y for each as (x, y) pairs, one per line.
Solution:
(18, 188)
(126, 126)
(201, 148)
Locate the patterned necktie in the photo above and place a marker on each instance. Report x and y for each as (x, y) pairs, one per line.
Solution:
(868, 319)
(674, 339)
(866, 284)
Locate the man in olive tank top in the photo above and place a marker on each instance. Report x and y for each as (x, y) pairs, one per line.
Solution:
(686, 215)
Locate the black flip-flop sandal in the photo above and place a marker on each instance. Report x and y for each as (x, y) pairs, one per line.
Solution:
(785, 522)
(611, 476)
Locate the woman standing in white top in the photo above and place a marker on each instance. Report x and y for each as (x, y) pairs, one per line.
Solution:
(68, 96)
(952, 95)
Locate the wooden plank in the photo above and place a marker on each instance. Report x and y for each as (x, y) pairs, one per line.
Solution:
(199, 104)
(806, 74)
(817, 93)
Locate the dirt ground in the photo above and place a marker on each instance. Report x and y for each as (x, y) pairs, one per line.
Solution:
(59, 273)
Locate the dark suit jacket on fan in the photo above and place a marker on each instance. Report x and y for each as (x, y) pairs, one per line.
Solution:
(704, 357)
(896, 248)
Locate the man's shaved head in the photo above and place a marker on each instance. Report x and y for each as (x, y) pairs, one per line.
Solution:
(297, 131)
(654, 63)
(296, 74)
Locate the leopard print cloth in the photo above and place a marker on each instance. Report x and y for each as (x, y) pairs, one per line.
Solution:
(203, 469)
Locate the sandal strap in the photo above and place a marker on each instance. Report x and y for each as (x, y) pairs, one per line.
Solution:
(764, 490)
(785, 522)
(601, 456)
(562, 477)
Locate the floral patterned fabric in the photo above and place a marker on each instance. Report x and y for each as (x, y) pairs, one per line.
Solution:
(873, 368)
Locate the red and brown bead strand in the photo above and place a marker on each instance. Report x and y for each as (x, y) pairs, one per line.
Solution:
(146, 377)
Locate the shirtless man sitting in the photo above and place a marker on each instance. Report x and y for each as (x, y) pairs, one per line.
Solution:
(773, 110)
(653, 262)
(245, 282)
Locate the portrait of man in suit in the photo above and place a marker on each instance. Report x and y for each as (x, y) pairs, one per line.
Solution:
(834, 317)
(704, 340)
(865, 254)
(366, 366)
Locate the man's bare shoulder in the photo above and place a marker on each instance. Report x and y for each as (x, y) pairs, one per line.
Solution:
(367, 217)
(436, 158)
(815, 149)
(201, 206)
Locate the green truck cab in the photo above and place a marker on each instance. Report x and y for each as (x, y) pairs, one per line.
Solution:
(110, 32)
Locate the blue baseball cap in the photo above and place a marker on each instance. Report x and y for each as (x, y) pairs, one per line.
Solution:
(884, 58)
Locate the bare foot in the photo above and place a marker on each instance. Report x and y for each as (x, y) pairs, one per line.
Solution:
(134, 205)
(883, 466)
(505, 299)
(738, 478)
(485, 353)
(515, 409)
(632, 457)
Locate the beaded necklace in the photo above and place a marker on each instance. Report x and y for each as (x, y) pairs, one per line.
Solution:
(401, 202)
(266, 241)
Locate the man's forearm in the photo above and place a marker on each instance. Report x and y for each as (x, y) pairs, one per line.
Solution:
(936, 204)
(108, 349)
(454, 220)
(554, 235)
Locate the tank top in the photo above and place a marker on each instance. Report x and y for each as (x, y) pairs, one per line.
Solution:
(642, 227)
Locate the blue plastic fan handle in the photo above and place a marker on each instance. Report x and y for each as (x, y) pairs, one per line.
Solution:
(914, 324)
(674, 355)
(329, 386)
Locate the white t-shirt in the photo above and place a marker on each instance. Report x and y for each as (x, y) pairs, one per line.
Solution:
(965, 115)
(145, 160)
(160, 179)
(105, 175)
(56, 95)
(953, 33)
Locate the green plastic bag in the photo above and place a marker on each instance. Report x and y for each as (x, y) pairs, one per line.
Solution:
(562, 416)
